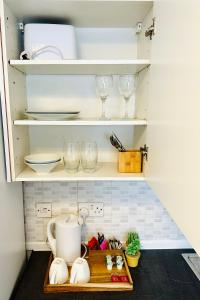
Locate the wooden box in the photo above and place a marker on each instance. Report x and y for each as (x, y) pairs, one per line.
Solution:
(100, 277)
(130, 161)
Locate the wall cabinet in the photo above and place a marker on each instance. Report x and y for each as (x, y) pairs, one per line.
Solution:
(166, 100)
(107, 43)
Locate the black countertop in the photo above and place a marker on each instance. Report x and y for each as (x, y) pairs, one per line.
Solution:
(161, 275)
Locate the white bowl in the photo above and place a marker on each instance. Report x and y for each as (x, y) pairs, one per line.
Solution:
(43, 168)
(42, 158)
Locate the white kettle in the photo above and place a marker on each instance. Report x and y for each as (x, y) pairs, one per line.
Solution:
(67, 244)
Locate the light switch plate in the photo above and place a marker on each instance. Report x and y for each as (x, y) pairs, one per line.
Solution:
(43, 210)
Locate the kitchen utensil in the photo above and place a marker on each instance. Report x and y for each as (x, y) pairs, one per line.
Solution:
(52, 116)
(42, 158)
(67, 241)
(104, 85)
(58, 273)
(114, 244)
(89, 156)
(42, 168)
(71, 156)
(127, 85)
(80, 271)
(50, 41)
(116, 143)
(115, 136)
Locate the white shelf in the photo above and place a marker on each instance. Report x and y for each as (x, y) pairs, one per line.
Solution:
(80, 67)
(82, 122)
(105, 171)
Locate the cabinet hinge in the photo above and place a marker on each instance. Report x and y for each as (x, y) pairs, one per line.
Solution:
(21, 27)
(150, 32)
(144, 151)
(138, 27)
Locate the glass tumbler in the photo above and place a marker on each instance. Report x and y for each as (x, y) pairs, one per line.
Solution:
(89, 156)
(71, 156)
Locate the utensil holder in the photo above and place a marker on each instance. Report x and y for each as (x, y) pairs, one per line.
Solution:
(130, 161)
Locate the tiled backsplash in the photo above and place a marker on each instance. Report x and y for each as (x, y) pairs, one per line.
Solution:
(127, 206)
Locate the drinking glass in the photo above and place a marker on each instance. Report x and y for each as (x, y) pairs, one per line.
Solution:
(89, 156)
(72, 156)
(127, 85)
(104, 85)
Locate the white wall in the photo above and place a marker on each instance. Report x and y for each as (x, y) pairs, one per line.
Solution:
(12, 241)
(127, 206)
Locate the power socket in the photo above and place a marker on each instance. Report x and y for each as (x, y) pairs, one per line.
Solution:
(91, 209)
(96, 209)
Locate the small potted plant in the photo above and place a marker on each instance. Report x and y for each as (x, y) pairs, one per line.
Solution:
(133, 249)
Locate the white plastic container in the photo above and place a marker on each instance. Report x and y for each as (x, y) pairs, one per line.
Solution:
(50, 41)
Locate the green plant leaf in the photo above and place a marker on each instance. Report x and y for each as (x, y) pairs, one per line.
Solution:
(133, 243)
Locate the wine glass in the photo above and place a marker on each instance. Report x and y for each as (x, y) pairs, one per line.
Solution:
(104, 85)
(127, 85)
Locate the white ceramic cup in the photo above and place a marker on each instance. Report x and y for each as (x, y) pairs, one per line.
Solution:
(58, 273)
(80, 272)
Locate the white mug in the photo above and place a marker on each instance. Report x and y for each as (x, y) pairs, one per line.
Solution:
(58, 273)
(80, 271)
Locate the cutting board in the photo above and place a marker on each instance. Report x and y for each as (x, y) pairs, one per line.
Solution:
(100, 277)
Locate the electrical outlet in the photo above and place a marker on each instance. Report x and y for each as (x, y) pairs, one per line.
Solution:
(96, 209)
(91, 209)
(43, 210)
(83, 209)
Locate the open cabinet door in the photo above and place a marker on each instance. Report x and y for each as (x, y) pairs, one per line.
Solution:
(4, 115)
(173, 131)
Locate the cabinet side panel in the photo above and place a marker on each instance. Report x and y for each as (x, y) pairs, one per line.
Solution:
(173, 115)
(15, 92)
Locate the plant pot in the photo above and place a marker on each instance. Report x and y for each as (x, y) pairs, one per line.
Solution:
(132, 260)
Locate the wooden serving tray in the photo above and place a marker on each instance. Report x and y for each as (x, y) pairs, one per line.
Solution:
(100, 277)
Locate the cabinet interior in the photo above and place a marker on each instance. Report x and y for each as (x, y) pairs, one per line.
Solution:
(106, 34)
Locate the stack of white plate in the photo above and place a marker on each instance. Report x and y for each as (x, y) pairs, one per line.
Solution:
(53, 115)
(42, 162)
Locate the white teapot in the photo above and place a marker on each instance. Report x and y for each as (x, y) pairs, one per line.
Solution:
(58, 273)
(80, 271)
